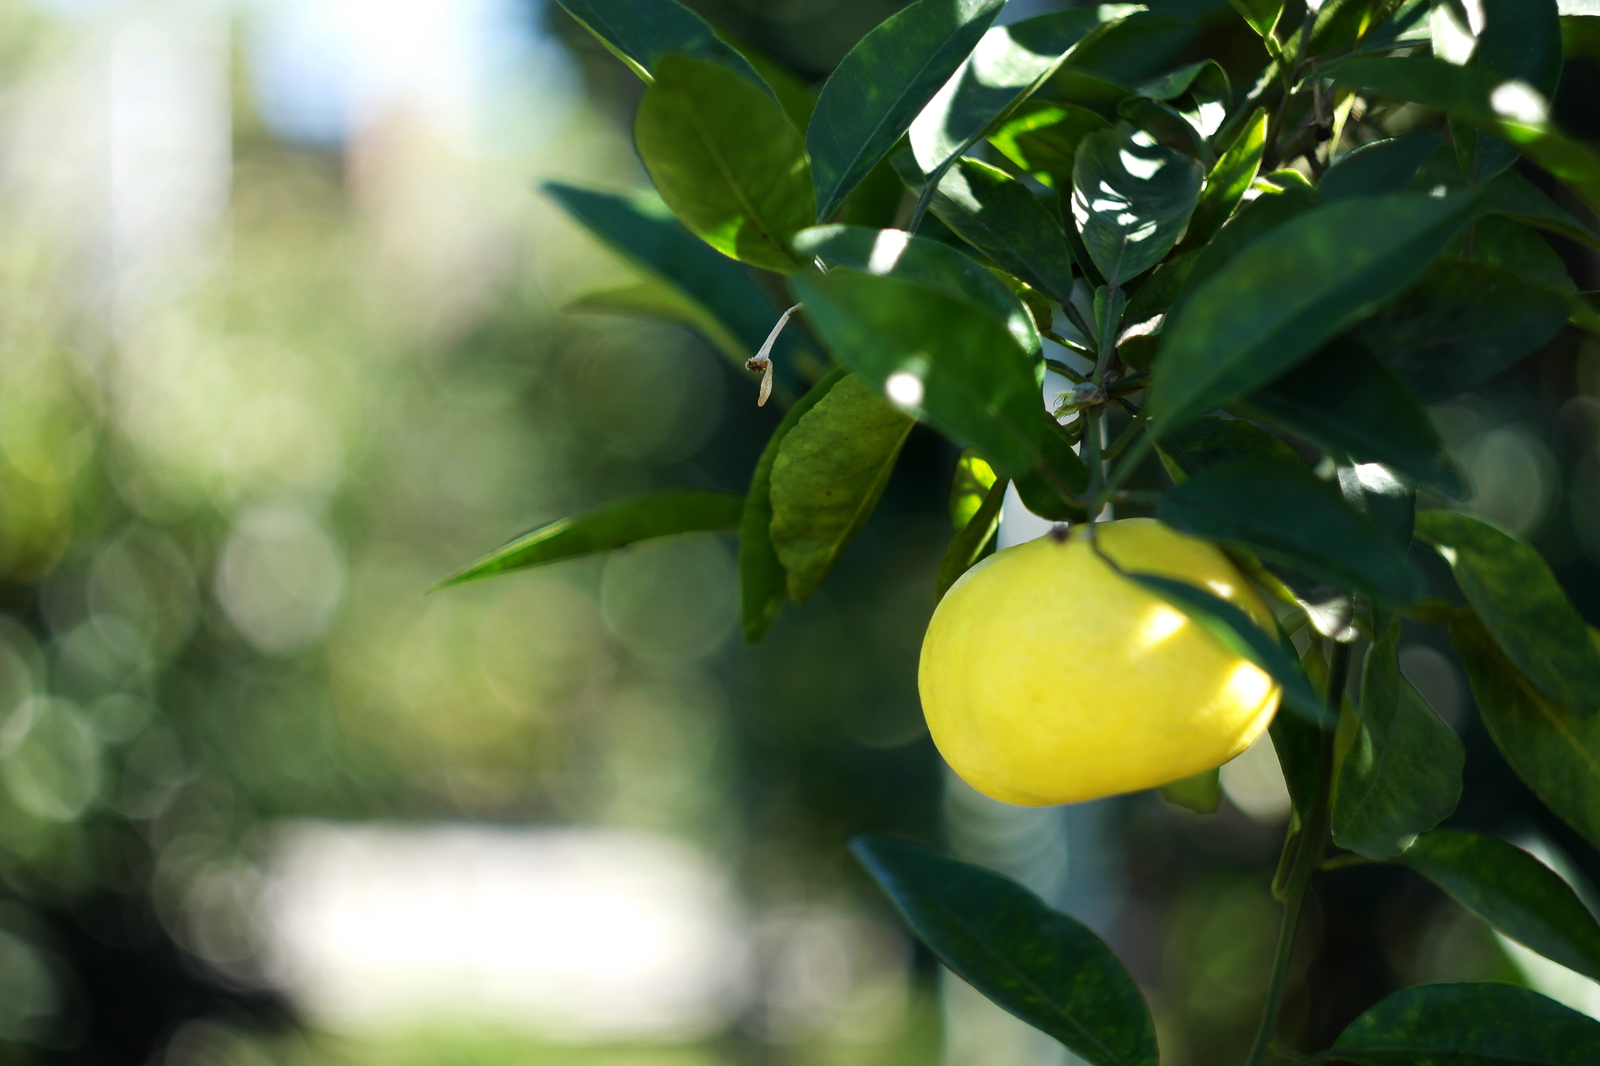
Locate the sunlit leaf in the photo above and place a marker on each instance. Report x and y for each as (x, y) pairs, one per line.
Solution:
(763, 582)
(1519, 600)
(1039, 964)
(1131, 199)
(727, 160)
(968, 487)
(940, 360)
(1226, 184)
(1043, 139)
(1512, 891)
(1555, 752)
(1283, 512)
(796, 98)
(1379, 168)
(1518, 39)
(1127, 52)
(1401, 773)
(876, 91)
(1345, 399)
(1291, 290)
(897, 254)
(1383, 494)
(974, 539)
(1469, 1025)
(615, 525)
(1262, 15)
(643, 32)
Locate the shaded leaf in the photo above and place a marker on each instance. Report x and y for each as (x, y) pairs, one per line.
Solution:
(876, 91)
(1384, 495)
(1401, 774)
(1201, 792)
(973, 540)
(1512, 891)
(1298, 740)
(795, 97)
(615, 525)
(1043, 139)
(1554, 751)
(941, 360)
(934, 264)
(1060, 468)
(1254, 220)
(1459, 325)
(1379, 168)
(653, 298)
(726, 159)
(1509, 245)
(1517, 198)
(1211, 440)
(1469, 1025)
(1226, 184)
(1035, 962)
(1520, 602)
(763, 582)
(643, 32)
(1126, 52)
(971, 483)
(1262, 15)
(1345, 399)
(1131, 199)
(1283, 512)
(831, 470)
(1254, 319)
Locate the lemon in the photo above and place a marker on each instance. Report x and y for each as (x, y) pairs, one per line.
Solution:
(1047, 677)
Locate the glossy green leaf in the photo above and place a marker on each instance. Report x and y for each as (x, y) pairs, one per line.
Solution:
(763, 582)
(1518, 598)
(1228, 181)
(876, 91)
(831, 470)
(1401, 774)
(1283, 512)
(970, 484)
(1512, 891)
(644, 232)
(1201, 793)
(1345, 399)
(795, 97)
(1183, 108)
(643, 32)
(934, 264)
(1035, 962)
(997, 215)
(1509, 245)
(1289, 291)
(940, 360)
(1555, 752)
(1211, 440)
(1262, 15)
(1004, 68)
(1238, 632)
(615, 525)
(1043, 139)
(727, 160)
(1460, 324)
(1254, 220)
(1146, 314)
(1131, 199)
(1475, 1024)
(1379, 168)
(1060, 468)
(1384, 495)
(1126, 52)
(1518, 39)
(973, 540)
(1515, 197)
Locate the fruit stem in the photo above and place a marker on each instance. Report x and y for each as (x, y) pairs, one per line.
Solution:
(1308, 854)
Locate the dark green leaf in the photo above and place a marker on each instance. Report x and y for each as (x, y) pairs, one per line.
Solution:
(1298, 740)
(971, 483)
(1262, 15)
(1043, 139)
(1209, 441)
(1517, 198)
(763, 582)
(942, 360)
(1519, 39)
(1253, 221)
(1146, 313)
(897, 254)
(1005, 67)
(1512, 891)
(1345, 399)
(1283, 512)
(972, 541)
(1507, 244)
(1039, 964)
(654, 298)
(1384, 495)
(643, 231)
(1040, 488)
(1479, 1024)
(795, 97)
(1520, 601)
(831, 470)
(1131, 199)
(1291, 290)
(1379, 168)
(1238, 632)
(1555, 752)
(1201, 792)
(616, 525)
(876, 91)
(642, 32)
(1401, 774)
(1127, 52)
(1183, 108)
(1459, 325)
(997, 215)
(727, 160)
(1228, 182)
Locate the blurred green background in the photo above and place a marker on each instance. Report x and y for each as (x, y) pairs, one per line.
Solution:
(282, 341)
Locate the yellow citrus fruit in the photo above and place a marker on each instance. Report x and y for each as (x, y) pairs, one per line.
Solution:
(1047, 677)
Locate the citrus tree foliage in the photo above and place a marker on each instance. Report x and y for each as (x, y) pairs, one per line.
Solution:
(1218, 266)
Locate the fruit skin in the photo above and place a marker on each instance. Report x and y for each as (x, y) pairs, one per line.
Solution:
(1046, 677)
